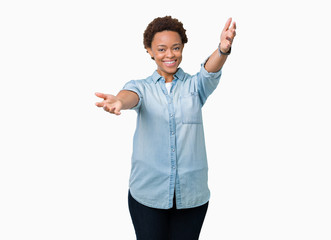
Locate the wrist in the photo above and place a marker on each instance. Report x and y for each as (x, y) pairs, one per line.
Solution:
(220, 52)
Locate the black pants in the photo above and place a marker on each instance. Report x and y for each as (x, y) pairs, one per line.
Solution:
(166, 224)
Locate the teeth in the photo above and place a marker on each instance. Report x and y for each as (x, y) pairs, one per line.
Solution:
(170, 62)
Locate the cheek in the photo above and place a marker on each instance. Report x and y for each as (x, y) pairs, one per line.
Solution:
(158, 61)
(158, 55)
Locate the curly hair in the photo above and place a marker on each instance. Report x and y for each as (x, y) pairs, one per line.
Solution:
(160, 24)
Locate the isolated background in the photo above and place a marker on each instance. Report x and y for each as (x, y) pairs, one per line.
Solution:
(65, 163)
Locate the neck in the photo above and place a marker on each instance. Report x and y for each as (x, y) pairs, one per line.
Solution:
(168, 77)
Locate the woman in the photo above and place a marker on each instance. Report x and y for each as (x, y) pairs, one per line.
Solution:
(168, 193)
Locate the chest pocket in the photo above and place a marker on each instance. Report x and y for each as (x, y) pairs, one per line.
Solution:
(190, 106)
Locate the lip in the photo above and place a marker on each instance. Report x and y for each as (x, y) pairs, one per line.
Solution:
(170, 63)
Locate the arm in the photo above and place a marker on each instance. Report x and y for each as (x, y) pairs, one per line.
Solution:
(215, 61)
(114, 104)
(128, 98)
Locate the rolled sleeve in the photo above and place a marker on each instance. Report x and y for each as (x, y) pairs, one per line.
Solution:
(206, 74)
(207, 82)
(132, 86)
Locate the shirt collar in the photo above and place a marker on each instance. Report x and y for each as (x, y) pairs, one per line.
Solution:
(179, 75)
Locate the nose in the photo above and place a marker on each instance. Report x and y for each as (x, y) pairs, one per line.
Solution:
(169, 53)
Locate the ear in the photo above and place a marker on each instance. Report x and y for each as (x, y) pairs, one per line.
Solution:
(149, 50)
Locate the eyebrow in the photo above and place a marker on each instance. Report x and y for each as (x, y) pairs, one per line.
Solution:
(176, 44)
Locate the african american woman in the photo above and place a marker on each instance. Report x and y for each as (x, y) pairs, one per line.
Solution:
(168, 188)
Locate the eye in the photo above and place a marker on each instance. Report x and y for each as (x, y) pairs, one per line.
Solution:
(177, 48)
(161, 49)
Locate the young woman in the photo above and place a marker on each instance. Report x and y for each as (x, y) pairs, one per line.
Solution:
(168, 192)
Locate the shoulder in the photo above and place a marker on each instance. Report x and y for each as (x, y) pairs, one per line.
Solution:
(141, 82)
(139, 86)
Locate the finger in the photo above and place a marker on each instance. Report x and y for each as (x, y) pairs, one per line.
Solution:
(113, 111)
(117, 111)
(105, 107)
(101, 95)
(230, 37)
(99, 104)
(234, 25)
(227, 24)
(233, 33)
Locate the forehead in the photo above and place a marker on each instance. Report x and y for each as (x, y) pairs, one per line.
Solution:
(166, 38)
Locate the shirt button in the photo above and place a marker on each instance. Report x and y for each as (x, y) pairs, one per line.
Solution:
(172, 133)
(173, 149)
(173, 167)
(171, 115)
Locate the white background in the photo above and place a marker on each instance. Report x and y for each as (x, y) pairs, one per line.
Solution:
(65, 163)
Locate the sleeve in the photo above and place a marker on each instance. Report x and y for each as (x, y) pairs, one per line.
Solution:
(207, 82)
(132, 86)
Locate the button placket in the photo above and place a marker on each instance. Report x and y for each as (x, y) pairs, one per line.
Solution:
(172, 131)
(172, 134)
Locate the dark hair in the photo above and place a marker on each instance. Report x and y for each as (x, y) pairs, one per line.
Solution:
(160, 24)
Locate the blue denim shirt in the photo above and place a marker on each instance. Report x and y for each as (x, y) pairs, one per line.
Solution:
(169, 155)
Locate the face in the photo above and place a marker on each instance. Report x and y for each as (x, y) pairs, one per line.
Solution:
(167, 51)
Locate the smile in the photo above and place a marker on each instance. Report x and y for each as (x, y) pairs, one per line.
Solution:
(170, 63)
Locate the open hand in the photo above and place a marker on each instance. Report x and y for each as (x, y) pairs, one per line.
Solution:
(110, 103)
(228, 35)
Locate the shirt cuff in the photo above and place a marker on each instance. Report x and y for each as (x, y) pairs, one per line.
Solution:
(207, 74)
(129, 87)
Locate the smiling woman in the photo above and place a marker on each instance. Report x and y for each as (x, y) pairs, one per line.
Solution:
(166, 50)
(168, 192)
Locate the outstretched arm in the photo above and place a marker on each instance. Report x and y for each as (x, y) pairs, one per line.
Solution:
(114, 104)
(216, 61)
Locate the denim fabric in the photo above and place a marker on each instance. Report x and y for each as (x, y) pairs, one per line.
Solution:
(169, 154)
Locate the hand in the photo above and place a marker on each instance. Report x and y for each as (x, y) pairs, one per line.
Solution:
(110, 103)
(228, 35)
